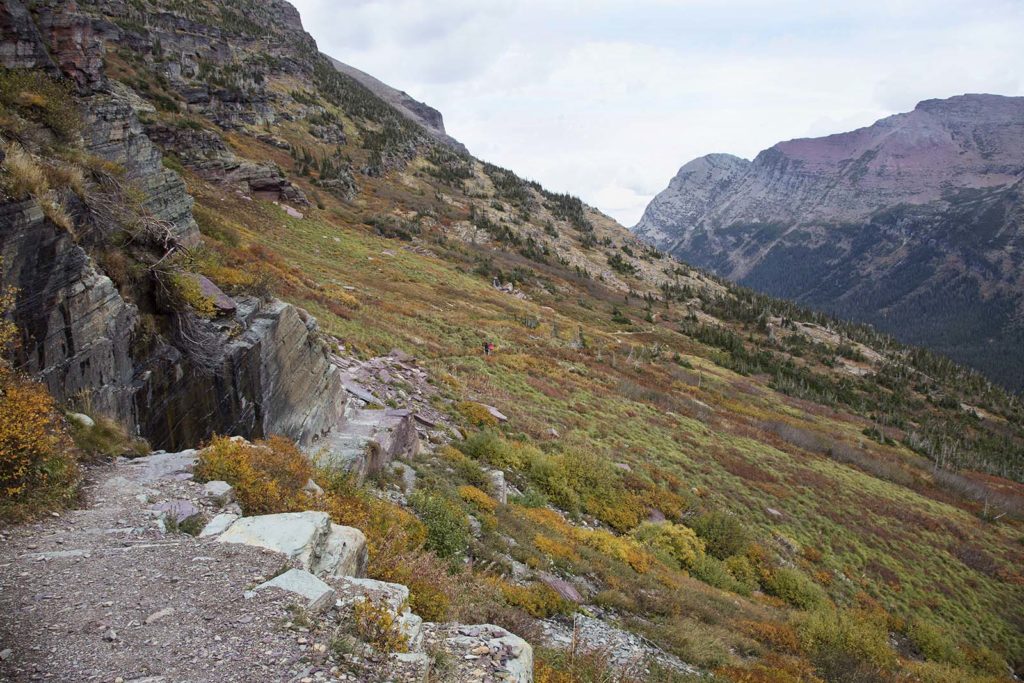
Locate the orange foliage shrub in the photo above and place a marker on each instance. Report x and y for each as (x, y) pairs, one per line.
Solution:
(772, 669)
(778, 636)
(38, 463)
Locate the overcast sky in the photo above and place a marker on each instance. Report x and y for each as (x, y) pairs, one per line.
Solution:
(607, 98)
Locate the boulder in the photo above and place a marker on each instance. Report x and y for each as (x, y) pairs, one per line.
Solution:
(499, 490)
(223, 304)
(317, 595)
(495, 413)
(158, 466)
(220, 492)
(82, 420)
(177, 511)
(309, 538)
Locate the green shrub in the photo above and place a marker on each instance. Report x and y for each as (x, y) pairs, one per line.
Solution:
(933, 643)
(447, 525)
(723, 534)
(794, 587)
(744, 572)
(847, 646)
(106, 439)
(489, 447)
(713, 572)
(466, 469)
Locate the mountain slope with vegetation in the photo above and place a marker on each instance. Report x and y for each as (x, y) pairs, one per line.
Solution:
(913, 225)
(762, 491)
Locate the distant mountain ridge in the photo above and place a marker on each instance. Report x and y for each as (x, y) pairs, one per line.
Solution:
(914, 224)
(430, 119)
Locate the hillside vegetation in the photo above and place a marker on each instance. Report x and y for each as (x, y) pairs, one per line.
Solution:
(767, 493)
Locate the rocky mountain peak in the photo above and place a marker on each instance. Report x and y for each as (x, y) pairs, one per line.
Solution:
(748, 220)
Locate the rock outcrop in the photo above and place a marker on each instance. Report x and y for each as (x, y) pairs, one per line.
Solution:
(912, 224)
(259, 369)
(75, 327)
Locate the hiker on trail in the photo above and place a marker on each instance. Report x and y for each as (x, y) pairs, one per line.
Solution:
(488, 348)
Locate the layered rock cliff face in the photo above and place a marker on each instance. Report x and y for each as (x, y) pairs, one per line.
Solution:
(259, 369)
(913, 224)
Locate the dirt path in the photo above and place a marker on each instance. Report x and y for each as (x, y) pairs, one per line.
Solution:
(105, 594)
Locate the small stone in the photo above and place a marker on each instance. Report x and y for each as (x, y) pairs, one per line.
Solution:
(6, 654)
(110, 635)
(157, 616)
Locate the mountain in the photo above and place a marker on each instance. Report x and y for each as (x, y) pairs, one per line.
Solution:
(914, 224)
(291, 388)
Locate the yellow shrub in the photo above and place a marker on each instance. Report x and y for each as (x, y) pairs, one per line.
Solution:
(228, 278)
(678, 542)
(553, 548)
(621, 548)
(185, 289)
(377, 625)
(477, 414)
(537, 599)
(342, 297)
(478, 498)
(548, 518)
(839, 641)
(268, 476)
(38, 464)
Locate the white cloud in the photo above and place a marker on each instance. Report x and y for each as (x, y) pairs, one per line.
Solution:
(607, 98)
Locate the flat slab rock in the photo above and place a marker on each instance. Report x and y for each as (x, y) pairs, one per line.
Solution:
(309, 538)
(316, 594)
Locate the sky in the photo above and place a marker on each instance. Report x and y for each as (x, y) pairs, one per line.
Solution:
(606, 99)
